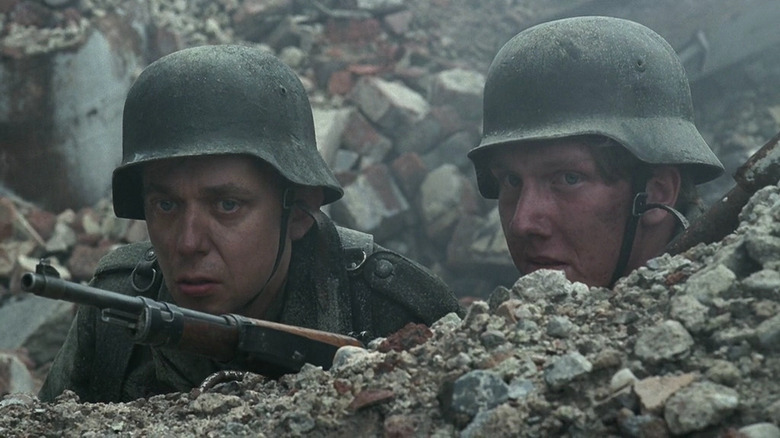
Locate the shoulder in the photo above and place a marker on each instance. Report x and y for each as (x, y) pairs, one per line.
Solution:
(397, 280)
(115, 269)
(124, 257)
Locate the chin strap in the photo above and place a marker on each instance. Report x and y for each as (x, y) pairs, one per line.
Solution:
(288, 202)
(638, 208)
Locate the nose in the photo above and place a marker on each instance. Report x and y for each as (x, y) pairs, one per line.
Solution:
(531, 213)
(192, 230)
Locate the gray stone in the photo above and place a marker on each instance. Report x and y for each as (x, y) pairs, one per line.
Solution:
(373, 203)
(561, 327)
(699, 406)
(760, 430)
(344, 161)
(37, 324)
(478, 243)
(709, 284)
(292, 56)
(520, 389)
(445, 196)
(763, 284)
(329, 126)
(80, 144)
(459, 88)
(565, 369)
(768, 334)
(763, 248)
(18, 376)
(478, 391)
(622, 379)
(689, 311)
(362, 137)
(63, 238)
(418, 136)
(380, 6)
(492, 338)
(391, 105)
(547, 285)
(667, 341)
(453, 150)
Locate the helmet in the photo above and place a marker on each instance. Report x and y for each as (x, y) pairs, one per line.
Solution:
(210, 100)
(592, 75)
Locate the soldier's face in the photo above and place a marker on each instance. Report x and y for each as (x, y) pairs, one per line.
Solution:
(214, 223)
(558, 213)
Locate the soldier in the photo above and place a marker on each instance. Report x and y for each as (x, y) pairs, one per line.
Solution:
(589, 146)
(219, 158)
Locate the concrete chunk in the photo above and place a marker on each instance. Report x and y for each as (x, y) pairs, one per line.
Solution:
(461, 89)
(391, 105)
(373, 203)
(329, 127)
(362, 137)
(445, 196)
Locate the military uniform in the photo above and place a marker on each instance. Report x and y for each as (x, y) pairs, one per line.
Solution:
(339, 281)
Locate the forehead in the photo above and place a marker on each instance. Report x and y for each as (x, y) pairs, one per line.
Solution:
(555, 152)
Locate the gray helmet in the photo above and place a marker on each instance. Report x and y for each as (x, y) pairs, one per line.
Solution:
(213, 100)
(592, 75)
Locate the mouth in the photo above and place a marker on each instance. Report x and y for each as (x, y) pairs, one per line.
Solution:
(195, 287)
(536, 263)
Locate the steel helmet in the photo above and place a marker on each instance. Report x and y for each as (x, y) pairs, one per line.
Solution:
(592, 75)
(211, 100)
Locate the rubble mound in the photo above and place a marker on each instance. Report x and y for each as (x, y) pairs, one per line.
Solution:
(687, 346)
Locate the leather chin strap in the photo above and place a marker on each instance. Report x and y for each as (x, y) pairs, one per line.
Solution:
(288, 202)
(638, 208)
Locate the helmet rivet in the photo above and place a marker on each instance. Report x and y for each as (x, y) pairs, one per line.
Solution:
(283, 90)
(640, 64)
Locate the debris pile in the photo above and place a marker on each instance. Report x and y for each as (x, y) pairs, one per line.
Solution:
(687, 346)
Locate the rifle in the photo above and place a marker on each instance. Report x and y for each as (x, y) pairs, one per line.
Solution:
(760, 170)
(255, 344)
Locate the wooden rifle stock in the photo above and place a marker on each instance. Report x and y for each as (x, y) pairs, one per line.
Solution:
(760, 170)
(252, 343)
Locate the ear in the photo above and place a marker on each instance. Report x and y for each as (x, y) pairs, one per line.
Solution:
(663, 187)
(300, 222)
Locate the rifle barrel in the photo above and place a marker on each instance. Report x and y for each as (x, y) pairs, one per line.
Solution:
(56, 288)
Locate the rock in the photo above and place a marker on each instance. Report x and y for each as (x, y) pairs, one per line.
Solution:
(329, 126)
(361, 137)
(87, 83)
(763, 284)
(760, 430)
(459, 88)
(565, 369)
(709, 284)
(391, 105)
(409, 171)
(699, 406)
(37, 324)
(690, 311)
(768, 334)
(445, 196)
(478, 391)
(665, 342)
(373, 203)
(14, 376)
(622, 379)
(653, 392)
(453, 150)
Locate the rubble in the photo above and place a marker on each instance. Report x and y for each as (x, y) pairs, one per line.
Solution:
(687, 346)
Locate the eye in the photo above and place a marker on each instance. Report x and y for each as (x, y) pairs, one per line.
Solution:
(571, 178)
(228, 205)
(510, 180)
(165, 205)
